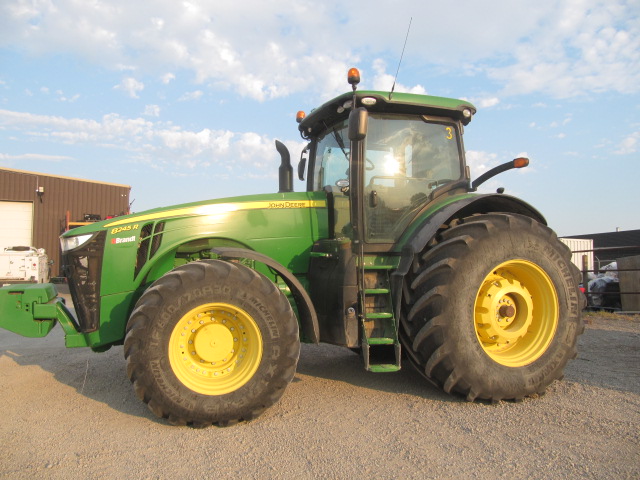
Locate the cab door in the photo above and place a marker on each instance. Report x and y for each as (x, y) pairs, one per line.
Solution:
(332, 270)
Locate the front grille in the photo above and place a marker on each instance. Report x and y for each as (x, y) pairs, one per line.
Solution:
(150, 240)
(83, 269)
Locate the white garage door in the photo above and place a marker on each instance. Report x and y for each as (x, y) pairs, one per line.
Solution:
(16, 223)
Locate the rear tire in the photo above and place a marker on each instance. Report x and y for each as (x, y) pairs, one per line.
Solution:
(491, 310)
(211, 342)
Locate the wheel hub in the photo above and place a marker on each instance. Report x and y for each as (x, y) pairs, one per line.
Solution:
(507, 311)
(213, 343)
(506, 306)
(516, 313)
(215, 349)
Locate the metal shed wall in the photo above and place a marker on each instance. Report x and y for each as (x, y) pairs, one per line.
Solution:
(59, 195)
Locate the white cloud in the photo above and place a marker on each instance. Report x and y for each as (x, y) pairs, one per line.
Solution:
(486, 102)
(71, 99)
(272, 49)
(35, 156)
(131, 86)
(152, 111)
(585, 46)
(385, 82)
(155, 142)
(195, 95)
(168, 78)
(629, 145)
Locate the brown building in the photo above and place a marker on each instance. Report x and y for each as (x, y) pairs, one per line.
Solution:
(35, 208)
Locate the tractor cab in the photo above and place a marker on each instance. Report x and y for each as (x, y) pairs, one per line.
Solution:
(381, 160)
(405, 158)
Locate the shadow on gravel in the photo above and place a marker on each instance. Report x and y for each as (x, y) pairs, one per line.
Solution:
(607, 358)
(102, 376)
(343, 365)
(99, 376)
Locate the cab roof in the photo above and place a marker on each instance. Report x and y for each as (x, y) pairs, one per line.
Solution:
(402, 103)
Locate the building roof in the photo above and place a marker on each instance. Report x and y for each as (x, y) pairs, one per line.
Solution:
(612, 245)
(24, 172)
(624, 238)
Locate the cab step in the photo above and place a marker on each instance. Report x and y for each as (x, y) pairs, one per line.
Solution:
(380, 345)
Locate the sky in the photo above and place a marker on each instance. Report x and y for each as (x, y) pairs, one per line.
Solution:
(183, 100)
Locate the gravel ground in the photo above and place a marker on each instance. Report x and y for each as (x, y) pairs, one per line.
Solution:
(72, 413)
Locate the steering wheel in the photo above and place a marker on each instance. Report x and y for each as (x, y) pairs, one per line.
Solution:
(370, 165)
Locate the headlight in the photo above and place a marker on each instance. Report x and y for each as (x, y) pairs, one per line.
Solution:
(69, 243)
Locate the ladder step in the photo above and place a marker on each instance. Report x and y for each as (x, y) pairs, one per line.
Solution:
(376, 291)
(378, 267)
(381, 349)
(387, 367)
(380, 341)
(382, 356)
(374, 316)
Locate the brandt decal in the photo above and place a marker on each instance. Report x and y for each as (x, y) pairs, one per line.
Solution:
(123, 240)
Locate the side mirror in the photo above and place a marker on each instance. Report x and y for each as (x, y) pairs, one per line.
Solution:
(519, 162)
(302, 164)
(358, 121)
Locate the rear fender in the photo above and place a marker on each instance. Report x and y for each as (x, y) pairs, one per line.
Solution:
(428, 226)
(477, 204)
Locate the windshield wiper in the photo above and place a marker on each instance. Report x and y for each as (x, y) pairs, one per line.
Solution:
(339, 141)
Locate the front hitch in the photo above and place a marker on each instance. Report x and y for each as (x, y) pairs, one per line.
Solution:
(32, 310)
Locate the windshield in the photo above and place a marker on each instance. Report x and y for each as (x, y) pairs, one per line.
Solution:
(406, 158)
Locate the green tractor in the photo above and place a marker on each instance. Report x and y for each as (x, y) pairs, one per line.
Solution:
(389, 252)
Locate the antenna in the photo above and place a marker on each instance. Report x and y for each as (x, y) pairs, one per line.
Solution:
(401, 55)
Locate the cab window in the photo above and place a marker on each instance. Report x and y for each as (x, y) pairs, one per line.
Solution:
(406, 158)
(331, 162)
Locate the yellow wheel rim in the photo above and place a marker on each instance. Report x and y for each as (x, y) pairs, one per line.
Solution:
(215, 349)
(516, 313)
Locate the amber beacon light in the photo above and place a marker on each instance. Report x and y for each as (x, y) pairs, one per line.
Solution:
(353, 77)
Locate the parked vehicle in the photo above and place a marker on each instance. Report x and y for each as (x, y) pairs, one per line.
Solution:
(23, 265)
(604, 289)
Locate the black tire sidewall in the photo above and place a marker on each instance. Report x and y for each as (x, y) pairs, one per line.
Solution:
(259, 298)
(463, 345)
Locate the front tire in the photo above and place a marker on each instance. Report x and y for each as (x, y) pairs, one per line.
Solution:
(211, 342)
(491, 310)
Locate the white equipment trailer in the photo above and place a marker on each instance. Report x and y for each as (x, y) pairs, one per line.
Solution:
(23, 265)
